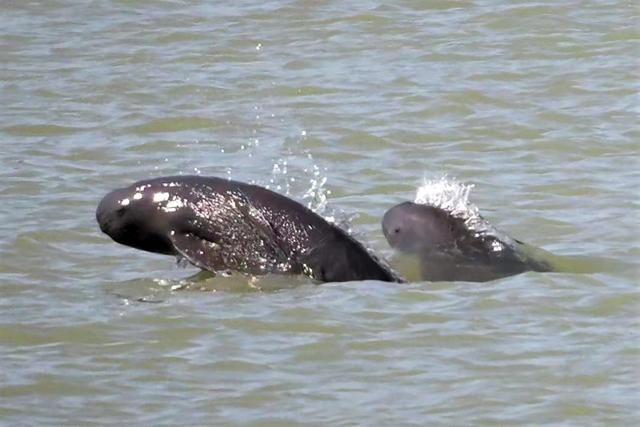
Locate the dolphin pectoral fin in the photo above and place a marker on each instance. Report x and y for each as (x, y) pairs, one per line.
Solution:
(259, 228)
(245, 255)
(238, 237)
(199, 252)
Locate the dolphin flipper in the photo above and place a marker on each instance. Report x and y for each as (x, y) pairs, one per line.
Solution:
(241, 239)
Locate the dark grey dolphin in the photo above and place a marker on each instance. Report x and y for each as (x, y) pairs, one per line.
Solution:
(218, 224)
(449, 250)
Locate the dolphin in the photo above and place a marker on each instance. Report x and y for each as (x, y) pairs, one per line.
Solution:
(219, 225)
(449, 250)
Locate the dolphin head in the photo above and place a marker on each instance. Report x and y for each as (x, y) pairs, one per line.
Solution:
(140, 216)
(412, 228)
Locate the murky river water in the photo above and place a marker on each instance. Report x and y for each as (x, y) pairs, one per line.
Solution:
(536, 103)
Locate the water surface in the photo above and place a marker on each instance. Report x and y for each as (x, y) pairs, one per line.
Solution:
(536, 103)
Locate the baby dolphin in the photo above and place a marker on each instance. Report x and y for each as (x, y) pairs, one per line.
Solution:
(218, 224)
(449, 250)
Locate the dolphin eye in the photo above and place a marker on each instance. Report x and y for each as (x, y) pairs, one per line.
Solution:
(396, 230)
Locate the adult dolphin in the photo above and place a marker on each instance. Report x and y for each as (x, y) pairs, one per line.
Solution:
(218, 224)
(449, 250)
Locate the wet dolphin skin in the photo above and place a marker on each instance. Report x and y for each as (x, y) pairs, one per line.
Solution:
(218, 224)
(448, 250)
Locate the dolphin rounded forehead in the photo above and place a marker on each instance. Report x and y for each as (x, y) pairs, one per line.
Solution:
(153, 190)
(116, 199)
(407, 210)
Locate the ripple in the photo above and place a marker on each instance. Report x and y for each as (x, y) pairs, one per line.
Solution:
(533, 103)
(174, 124)
(42, 130)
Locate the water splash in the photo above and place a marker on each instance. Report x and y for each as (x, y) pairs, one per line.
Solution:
(280, 180)
(317, 194)
(449, 194)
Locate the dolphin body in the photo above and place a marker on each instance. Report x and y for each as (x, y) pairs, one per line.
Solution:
(449, 250)
(219, 225)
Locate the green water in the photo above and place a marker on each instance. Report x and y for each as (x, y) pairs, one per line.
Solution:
(536, 103)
